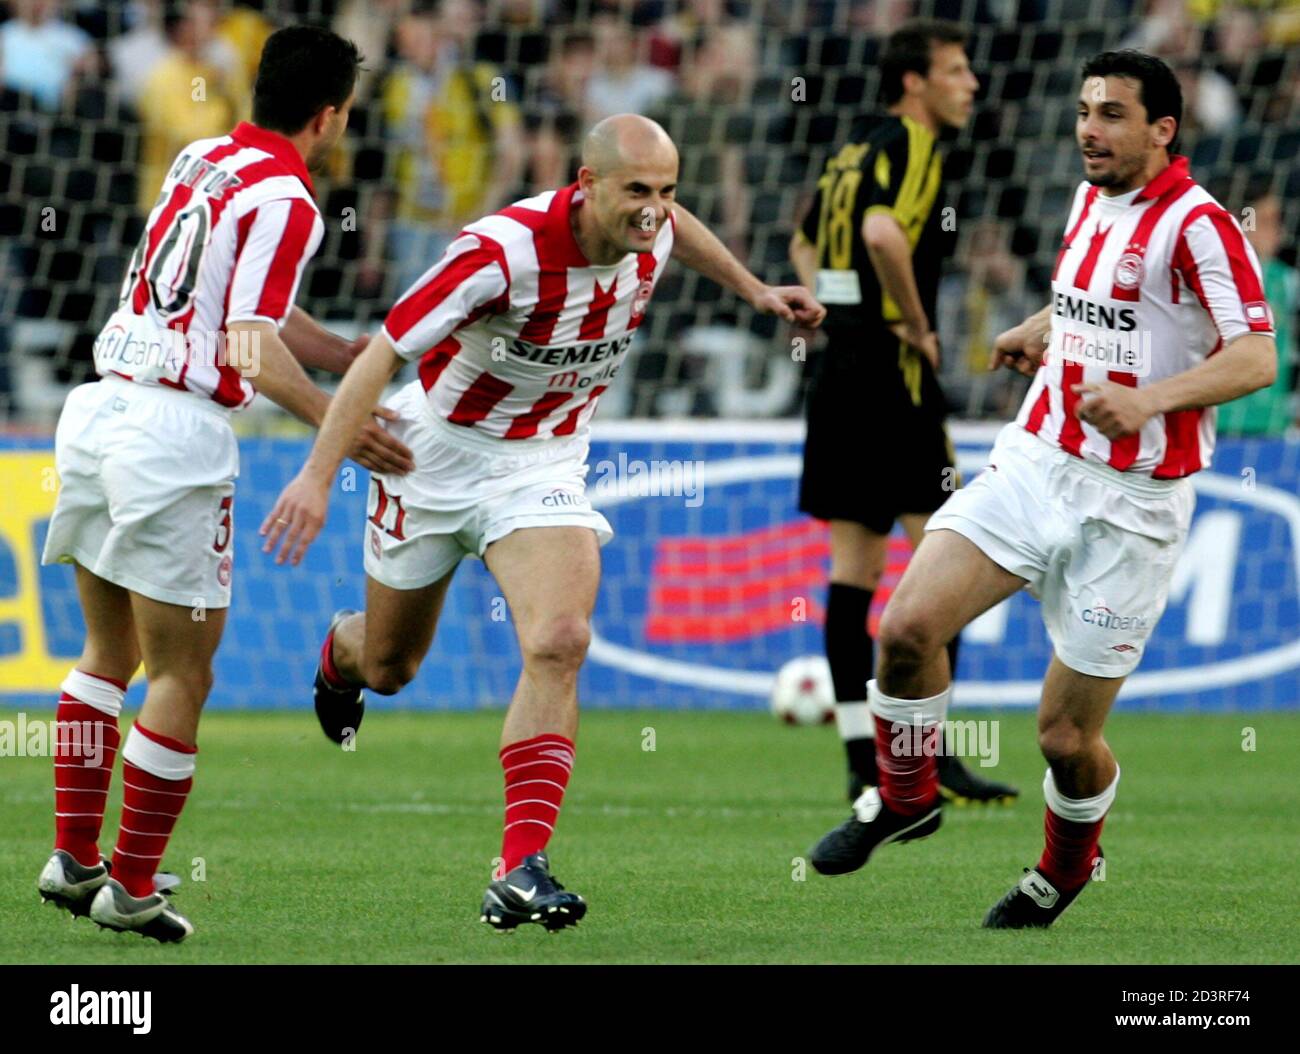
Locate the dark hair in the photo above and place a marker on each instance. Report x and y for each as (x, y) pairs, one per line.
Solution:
(303, 70)
(908, 50)
(174, 14)
(1259, 186)
(1158, 88)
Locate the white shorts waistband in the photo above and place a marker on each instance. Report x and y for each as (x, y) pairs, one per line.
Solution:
(196, 400)
(1133, 483)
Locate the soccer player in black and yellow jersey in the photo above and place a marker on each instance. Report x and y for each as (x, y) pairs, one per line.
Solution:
(877, 451)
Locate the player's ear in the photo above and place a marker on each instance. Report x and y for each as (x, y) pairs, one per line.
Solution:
(321, 122)
(1165, 130)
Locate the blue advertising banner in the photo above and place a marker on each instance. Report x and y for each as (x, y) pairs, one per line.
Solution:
(712, 581)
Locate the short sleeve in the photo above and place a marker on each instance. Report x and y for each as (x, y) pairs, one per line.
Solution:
(1220, 267)
(471, 280)
(275, 242)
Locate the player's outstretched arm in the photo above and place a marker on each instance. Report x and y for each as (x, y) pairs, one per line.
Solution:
(1021, 347)
(699, 248)
(299, 512)
(1246, 365)
(315, 346)
(277, 375)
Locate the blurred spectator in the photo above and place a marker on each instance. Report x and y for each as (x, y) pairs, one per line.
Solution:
(135, 54)
(711, 119)
(42, 55)
(1280, 18)
(518, 14)
(1282, 24)
(459, 137)
(1238, 37)
(881, 17)
(244, 30)
(1209, 99)
(985, 295)
(622, 83)
(1269, 411)
(688, 19)
(184, 97)
(370, 25)
(555, 118)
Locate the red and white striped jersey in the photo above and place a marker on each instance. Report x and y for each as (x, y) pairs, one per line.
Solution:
(227, 240)
(516, 332)
(1146, 285)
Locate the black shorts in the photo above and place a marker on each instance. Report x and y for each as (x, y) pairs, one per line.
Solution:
(877, 446)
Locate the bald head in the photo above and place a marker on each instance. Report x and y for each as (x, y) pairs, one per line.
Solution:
(628, 179)
(627, 140)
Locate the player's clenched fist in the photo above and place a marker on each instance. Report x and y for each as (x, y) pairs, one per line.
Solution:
(792, 302)
(297, 518)
(1020, 348)
(1113, 409)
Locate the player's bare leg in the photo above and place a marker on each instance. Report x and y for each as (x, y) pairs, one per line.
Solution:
(958, 784)
(380, 648)
(948, 583)
(1080, 785)
(177, 645)
(90, 702)
(549, 576)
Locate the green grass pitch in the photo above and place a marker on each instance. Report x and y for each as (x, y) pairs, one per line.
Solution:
(687, 853)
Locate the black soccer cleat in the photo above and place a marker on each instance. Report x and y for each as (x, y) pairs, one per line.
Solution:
(530, 894)
(960, 786)
(872, 825)
(153, 916)
(1033, 903)
(339, 710)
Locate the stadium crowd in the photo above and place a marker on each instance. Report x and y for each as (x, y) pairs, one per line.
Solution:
(467, 105)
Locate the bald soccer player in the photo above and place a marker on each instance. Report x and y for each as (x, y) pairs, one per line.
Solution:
(518, 329)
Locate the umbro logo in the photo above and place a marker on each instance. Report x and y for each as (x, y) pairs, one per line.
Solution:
(1039, 890)
(867, 807)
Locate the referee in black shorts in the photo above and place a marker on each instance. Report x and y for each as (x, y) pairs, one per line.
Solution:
(877, 450)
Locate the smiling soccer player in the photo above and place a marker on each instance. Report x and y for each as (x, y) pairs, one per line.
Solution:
(1157, 316)
(518, 329)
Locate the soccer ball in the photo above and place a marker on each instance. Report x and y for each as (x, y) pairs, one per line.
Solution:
(804, 693)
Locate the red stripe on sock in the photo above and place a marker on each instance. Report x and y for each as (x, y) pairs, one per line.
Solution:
(1069, 852)
(167, 741)
(909, 774)
(150, 806)
(332, 676)
(536, 773)
(81, 789)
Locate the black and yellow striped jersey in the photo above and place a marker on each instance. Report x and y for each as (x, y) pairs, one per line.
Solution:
(895, 168)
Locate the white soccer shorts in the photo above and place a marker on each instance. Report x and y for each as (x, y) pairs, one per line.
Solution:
(147, 489)
(466, 492)
(1096, 546)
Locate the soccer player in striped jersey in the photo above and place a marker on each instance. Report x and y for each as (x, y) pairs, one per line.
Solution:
(877, 451)
(517, 330)
(147, 462)
(1157, 316)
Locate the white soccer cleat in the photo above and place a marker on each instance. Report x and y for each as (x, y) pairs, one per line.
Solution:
(152, 916)
(68, 884)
